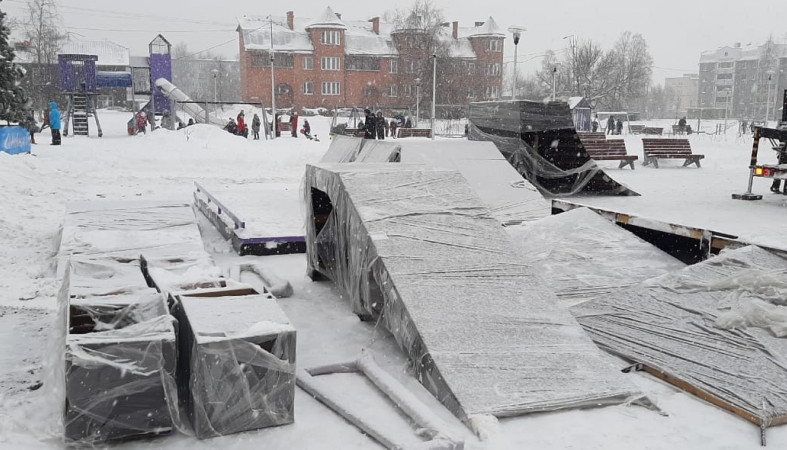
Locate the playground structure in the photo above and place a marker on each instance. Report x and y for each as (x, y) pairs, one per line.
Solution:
(778, 139)
(80, 82)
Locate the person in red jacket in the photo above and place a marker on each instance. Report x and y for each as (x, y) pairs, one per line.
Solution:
(294, 124)
(242, 130)
(142, 122)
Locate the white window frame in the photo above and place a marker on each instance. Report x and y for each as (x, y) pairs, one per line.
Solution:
(331, 88)
(308, 88)
(492, 92)
(393, 66)
(471, 69)
(493, 70)
(308, 63)
(331, 37)
(410, 66)
(494, 45)
(393, 90)
(331, 63)
(408, 90)
(470, 92)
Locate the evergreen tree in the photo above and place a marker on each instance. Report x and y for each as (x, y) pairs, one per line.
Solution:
(13, 102)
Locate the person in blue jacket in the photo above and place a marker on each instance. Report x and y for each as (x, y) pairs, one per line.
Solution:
(54, 123)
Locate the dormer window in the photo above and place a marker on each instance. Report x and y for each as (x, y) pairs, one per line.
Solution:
(494, 45)
(330, 38)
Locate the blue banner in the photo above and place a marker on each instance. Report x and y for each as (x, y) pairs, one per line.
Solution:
(14, 140)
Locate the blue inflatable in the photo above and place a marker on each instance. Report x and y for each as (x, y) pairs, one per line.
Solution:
(14, 140)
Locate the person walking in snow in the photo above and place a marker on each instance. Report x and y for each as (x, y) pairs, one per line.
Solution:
(611, 125)
(307, 129)
(294, 124)
(231, 127)
(618, 127)
(54, 123)
(382, 126)
(393, 129)
(369, 127)
(255, 127)
(594, 125)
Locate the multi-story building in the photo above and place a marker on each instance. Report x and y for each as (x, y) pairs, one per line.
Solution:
(330, 62)
(743, 82)
(683, 93)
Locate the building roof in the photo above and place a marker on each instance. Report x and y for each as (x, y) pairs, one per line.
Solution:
(360, 38)
(489, 28)
(738, 53)
(108, 52)
(328, 19)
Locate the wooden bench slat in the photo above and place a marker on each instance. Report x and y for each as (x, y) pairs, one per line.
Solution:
(655, 149)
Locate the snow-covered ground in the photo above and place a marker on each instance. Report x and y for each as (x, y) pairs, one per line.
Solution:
(163, 165)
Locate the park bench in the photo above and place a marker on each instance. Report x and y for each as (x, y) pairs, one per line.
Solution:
(591, 135)
(655, 149)
(609, 150)
(413, 132)
(653, 130)
(357, 132)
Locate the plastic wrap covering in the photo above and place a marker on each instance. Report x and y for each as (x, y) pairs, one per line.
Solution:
(236, 363)
(120, 358)
(672, 326)
(346, 149)
(583, 255)
(417, 249)
(122, 230)
(511, 199)
(343, 149)
(540, 141)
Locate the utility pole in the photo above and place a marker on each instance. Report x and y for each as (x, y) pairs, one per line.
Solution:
(275, 127)
(554, 82)
(517, 32)
(434, 89)
(417, 100)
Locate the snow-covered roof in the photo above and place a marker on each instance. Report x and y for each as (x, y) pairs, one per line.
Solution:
(747, 53)
(328, 19)
(573, 102)
(257, 34)
(360, 39)
(359, 35)
(108, 52)
(489, 28)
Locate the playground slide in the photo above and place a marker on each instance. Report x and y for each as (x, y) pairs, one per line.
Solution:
(193, 109)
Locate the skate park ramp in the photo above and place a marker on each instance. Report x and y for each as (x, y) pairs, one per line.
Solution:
(540, 141)
(416, 248)
(511, 199)
(714, 329)
(583, 255)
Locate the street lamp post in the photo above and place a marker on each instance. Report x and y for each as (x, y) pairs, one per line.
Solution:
(768, 98)
(417, 100)
(273, 88)
(434, 89)
(554, 82)
(517, 32)
(215, 88)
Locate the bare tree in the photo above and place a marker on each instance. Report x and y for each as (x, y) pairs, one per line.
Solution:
(616, 78)
(42, 25)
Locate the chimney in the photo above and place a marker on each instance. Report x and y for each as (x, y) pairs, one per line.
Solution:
(455, 33)
(290, 20)
(375, 25)
(479, 24)
(338, 16)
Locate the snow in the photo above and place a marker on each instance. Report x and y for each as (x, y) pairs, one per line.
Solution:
(163, 166)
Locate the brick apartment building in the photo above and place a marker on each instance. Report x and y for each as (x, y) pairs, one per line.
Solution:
(329, 62)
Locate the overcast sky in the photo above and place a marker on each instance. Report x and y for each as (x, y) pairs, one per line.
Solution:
(676, 30)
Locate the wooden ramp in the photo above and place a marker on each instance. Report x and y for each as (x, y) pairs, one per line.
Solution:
(418, 250)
